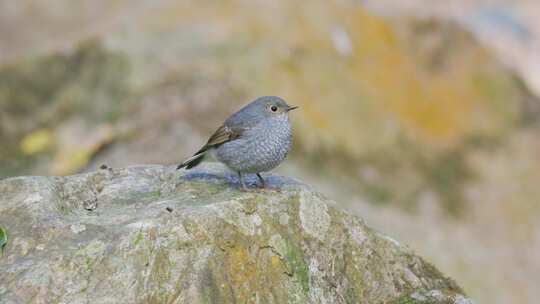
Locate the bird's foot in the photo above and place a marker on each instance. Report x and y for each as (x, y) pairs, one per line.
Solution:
(247, 190)
(257, 189)
(264, 185)
(270, 188)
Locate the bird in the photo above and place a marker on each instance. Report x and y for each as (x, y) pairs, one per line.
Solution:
(255, 139)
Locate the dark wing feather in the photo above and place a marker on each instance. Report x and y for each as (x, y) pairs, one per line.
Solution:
(221, 136)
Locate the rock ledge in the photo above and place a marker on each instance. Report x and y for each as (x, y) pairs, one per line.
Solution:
(150, 234)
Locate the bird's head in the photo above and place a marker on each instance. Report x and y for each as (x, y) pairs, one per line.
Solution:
(271, 106)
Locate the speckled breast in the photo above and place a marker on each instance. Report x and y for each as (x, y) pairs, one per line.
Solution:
(259, 149)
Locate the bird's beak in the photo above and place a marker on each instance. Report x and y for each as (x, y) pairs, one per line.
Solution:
(291, 108)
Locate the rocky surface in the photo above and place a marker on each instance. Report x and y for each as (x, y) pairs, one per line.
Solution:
(150, 234)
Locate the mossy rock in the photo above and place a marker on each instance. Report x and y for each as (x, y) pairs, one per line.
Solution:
(200, 241)
(38, 94)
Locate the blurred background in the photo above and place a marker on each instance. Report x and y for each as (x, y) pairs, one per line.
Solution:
(421, 116)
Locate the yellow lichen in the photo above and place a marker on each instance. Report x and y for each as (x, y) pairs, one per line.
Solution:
(37, 142)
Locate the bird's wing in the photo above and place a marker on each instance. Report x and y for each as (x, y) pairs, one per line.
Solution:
(221, 136)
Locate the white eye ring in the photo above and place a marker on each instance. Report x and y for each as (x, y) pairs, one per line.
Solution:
(273, 108)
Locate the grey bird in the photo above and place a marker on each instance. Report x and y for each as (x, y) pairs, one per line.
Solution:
(255, 139)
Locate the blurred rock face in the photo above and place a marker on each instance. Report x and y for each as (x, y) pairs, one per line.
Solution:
(56, 109)
(427, 81)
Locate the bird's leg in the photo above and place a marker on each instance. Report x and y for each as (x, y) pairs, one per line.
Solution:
(243, 185)
(263, 184)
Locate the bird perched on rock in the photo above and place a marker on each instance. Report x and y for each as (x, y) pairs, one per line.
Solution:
(255, 139)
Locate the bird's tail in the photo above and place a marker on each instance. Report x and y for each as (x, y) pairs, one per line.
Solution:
(192, 161)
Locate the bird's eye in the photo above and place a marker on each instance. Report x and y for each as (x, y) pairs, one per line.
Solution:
(273, 108)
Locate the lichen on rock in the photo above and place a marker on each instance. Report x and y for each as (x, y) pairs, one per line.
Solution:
(163, 236)
(57, 107)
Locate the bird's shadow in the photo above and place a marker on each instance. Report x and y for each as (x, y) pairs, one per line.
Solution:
(251, 180)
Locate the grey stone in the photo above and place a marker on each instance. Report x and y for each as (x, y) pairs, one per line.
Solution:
(158, 235)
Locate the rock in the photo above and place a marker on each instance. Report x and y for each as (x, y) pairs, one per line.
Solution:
(157, 235)
(56, 110)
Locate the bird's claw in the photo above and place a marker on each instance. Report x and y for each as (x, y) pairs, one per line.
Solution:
(247, 190)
